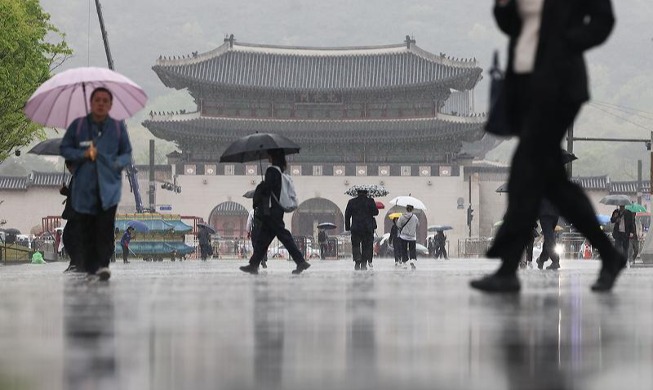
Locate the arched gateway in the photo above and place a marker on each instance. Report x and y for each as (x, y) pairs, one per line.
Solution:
(314, 211)
(229, 220)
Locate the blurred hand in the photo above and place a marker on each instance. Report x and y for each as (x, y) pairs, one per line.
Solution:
(91, 153)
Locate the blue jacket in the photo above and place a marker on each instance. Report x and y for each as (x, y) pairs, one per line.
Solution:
(126, 238)
(100, 177)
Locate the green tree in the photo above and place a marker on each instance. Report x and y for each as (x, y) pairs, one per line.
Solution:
(30, 48)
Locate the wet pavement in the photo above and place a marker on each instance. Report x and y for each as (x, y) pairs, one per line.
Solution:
(196, 325)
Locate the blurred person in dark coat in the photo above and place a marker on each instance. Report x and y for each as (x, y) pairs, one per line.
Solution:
(624, 228)
(359, 219)
(545, 86)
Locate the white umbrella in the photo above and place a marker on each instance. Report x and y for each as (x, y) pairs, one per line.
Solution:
(404, 201)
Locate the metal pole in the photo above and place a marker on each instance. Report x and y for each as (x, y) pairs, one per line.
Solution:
(152, 186)
(469, 222)
(570, 149)
(639, 181)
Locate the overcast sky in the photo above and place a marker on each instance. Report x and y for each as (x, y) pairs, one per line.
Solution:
(141, 30)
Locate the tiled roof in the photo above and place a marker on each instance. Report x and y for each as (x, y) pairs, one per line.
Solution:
(592, 182)
(243, 65)
(49, 179)
(629, 187)
(13, 183)
(230, 208)
(378, 130)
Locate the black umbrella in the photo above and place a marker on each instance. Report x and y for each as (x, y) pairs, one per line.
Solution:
(249, 194)
(502, 188)
(49, 147)
(255, 147)
(326, 225)
(209, 228)
(616, 200)
(373, 190)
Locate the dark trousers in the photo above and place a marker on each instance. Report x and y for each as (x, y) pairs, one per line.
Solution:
(323, 250)
(272, 226)
(440, 251)
(396, 246)
(71, 242)
(537, 171)
(125, 252)
(96, 238)
(408, 250)
(548, 224)
(621, 241)
(254, 236)
(362, 247)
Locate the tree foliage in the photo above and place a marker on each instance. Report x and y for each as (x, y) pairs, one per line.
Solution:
(30, 48)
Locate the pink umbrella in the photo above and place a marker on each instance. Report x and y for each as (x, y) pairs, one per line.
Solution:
(65, 96)
(379, 205)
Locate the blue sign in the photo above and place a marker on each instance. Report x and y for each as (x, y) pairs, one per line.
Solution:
(166, 207)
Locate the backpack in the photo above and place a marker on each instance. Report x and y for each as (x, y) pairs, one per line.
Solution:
(288, 197)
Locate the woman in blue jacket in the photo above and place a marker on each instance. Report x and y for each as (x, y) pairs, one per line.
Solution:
(99, 147)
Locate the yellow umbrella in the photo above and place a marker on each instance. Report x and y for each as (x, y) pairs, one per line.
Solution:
(559, 228)
(394, 215)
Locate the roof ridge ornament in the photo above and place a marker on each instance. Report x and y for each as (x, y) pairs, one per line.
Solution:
(231, 39)
(410, 40)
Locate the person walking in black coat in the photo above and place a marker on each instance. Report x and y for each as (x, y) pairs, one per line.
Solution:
(359, 219)
(545, 86)
(624, 228)
(270, 214)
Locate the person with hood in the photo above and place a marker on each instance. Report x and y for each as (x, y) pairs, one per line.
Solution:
(544, 88)
(99, 148)
(270, 214)
(124, 244)
(359, 220)
(407, 225)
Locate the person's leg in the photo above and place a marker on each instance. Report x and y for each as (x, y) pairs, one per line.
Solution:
(125, 253)
(367, 244)
(106, 220)
(412, 250)
(396, 249)
(356, 241)
(404, 250)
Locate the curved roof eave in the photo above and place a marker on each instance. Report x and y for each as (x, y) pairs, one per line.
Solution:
(458, 82)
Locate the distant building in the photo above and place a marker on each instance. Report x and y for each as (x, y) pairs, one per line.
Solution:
(370, 115)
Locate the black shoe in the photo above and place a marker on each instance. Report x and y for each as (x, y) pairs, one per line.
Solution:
(554, 266)
(495, 283)
(540, 263)
(250, 269)
(607, 277)
(264, 264)
(357, 266)
(71, 268)
(126, 262)
(301, 267)
(363, 266)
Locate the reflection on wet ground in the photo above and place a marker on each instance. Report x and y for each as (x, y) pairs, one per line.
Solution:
(196, 325)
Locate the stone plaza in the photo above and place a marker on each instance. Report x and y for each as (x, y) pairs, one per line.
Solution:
(205, 325)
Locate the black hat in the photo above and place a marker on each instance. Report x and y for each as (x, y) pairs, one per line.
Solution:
(362, 190)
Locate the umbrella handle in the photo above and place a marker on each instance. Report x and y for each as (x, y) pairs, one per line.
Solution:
(85, 100)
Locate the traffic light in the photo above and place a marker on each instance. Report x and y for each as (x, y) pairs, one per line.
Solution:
(470, 215)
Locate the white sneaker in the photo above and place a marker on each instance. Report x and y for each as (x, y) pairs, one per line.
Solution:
(369, 265)
(412, 263)
(103, 273)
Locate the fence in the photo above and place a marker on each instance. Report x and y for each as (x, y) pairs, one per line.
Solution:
(473, 246)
